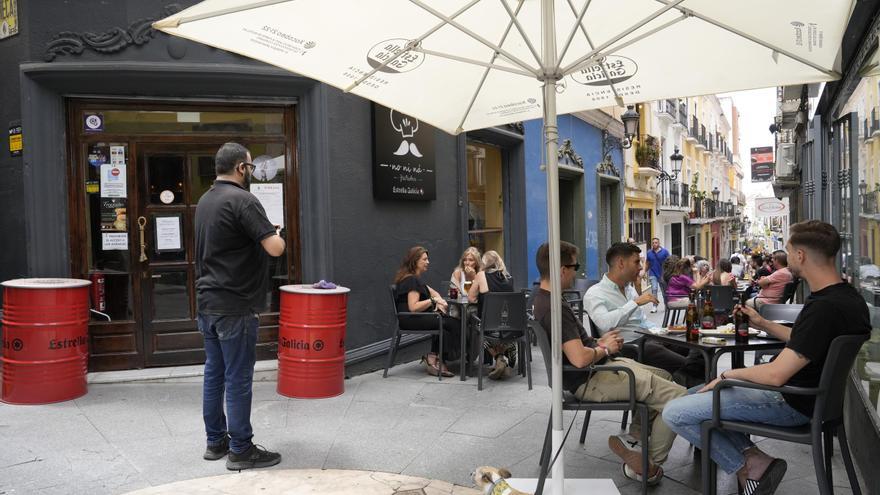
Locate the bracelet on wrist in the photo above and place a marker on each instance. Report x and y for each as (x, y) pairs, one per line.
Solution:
(722, 376)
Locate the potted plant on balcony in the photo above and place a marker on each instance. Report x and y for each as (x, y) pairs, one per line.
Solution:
(647, 155)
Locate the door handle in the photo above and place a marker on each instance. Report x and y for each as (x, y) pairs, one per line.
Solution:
(142, 222)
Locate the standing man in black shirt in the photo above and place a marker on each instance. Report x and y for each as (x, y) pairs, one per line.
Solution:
(233, 241)
(833, 308)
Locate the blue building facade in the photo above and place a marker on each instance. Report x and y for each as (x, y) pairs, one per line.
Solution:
(583, 220)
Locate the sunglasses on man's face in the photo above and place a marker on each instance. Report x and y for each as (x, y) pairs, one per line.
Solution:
(575, 267)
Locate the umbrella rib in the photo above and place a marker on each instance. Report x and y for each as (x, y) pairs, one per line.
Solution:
(497, 49)
(574, 29)
(719, 24)
(519, 28)
(592, 46)
(486, 72)
(409, 47)
(596, 54)
(615, 39)
(173, 23)
(466, 60)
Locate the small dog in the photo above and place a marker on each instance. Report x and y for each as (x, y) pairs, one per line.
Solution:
(493, 481)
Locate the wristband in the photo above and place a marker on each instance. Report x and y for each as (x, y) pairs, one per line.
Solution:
(722, 376)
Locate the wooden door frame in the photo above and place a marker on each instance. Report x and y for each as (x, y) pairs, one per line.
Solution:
(78, 139)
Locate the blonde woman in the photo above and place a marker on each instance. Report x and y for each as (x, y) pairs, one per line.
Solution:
(494, 278)
(468, 265)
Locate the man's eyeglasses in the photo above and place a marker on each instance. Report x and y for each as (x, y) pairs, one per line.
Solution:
(575, 267)
(251, 166)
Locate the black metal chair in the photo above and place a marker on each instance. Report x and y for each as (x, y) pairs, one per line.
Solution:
(504, 319)
(398, 331)
(789, 291)
(670, 315)
(572, 403)
(786, 312)
(575, 297)
(722, 298)
(818, 433)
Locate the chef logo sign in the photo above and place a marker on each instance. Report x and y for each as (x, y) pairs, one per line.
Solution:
(618, 69)
(403, 156)
(386, 50)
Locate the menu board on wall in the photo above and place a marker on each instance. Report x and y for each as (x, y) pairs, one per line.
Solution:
(404, 165)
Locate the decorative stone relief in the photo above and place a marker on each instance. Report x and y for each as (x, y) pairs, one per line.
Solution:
(111, 41)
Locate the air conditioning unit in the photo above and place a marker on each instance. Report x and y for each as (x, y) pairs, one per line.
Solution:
(785, 160)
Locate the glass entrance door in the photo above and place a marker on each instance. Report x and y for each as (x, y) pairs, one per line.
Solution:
(138, 173)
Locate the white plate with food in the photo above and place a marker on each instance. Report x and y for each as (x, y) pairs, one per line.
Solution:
(724, 331)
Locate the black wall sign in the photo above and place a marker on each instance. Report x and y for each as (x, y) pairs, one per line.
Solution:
(403, 157)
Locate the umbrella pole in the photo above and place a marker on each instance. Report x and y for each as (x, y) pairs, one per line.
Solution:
(551, 143)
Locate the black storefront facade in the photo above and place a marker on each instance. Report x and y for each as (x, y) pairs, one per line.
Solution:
(118, 125)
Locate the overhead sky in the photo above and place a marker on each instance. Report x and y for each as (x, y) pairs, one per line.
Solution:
(757, 108)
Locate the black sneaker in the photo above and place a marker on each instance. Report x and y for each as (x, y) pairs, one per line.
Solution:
(218, 451)
(254, 457)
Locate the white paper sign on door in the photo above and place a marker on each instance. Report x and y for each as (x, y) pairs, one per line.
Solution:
(113, 180)
(114, 241)
(168, 234)
(271, 196)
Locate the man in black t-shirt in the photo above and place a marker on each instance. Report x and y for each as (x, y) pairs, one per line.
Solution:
(653, 386)
(233, 239)
(833, 308)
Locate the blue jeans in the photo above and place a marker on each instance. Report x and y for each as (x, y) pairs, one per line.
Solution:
(655, 285)
(230, 352)
(685, 415)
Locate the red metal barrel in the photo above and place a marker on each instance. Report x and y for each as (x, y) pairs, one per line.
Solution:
(45, 340)
(311, 342)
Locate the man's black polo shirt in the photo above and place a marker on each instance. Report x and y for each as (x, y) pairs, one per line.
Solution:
(231, 264)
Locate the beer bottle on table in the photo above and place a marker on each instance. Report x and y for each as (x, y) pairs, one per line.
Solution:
(692, 321)
(741, 323)
(708, 319)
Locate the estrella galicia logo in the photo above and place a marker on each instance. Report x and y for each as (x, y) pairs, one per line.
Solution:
(619, 69)
(318, 345)
(384, 50)
(17, 344)
(309, 45)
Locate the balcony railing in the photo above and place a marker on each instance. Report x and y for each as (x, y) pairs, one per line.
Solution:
(701, 136)
(673, 195)
(697, 209)
(648, 153)
(869, 203)
(666, 109)
(875, 123)
(683, 114)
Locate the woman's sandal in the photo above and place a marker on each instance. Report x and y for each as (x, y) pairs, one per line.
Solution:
(434, 368)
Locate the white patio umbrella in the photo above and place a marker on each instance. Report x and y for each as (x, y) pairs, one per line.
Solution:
(471, 64)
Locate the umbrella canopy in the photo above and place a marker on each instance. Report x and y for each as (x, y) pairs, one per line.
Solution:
(471, 64)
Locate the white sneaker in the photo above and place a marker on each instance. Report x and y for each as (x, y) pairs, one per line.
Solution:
(654, 309)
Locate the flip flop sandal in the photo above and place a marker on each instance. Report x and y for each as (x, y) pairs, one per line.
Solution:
(769, 481)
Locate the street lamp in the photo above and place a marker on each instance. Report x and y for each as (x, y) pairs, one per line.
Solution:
(675, 158)
(630, 120)
(715, 193)
(863, 187)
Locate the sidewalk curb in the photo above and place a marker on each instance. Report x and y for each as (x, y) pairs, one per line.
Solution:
(264, 371)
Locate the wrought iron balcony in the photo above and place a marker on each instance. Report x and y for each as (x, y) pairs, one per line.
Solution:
(666, 110)
(701, 138)
(682, 115)
(694, 132)
(875, 123)
(869, 203)
(673, 195)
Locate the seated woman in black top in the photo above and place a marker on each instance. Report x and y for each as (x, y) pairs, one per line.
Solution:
(494, 278)
(414, 296)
